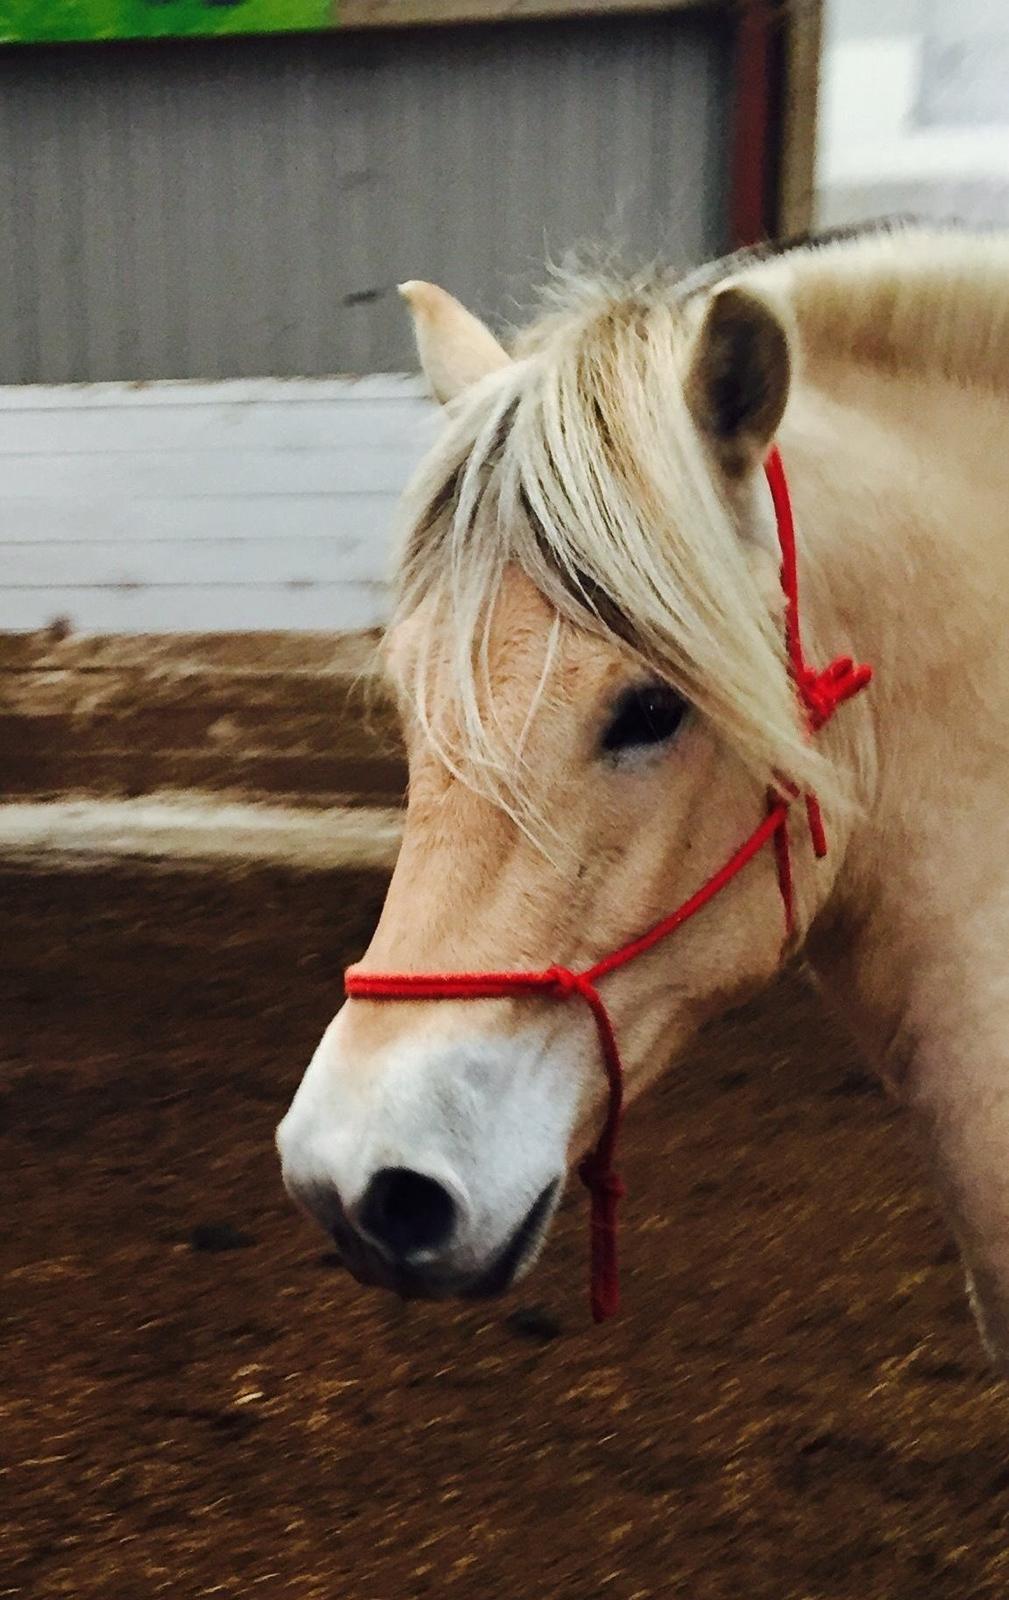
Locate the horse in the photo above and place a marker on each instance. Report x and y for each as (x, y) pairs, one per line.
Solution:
(590, 653)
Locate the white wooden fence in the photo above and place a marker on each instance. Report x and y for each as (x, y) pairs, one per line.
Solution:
(204, 507)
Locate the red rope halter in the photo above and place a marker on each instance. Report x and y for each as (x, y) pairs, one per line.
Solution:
(820, 693)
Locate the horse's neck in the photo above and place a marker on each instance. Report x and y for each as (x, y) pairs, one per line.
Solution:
(902, 492)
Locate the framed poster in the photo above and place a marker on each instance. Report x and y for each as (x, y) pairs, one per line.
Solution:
(55, 21)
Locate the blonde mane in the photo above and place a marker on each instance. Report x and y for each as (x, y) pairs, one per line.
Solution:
(581, 465)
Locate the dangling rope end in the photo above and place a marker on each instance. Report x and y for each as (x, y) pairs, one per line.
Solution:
(817, 832)
(607, 1190)
(822, 693)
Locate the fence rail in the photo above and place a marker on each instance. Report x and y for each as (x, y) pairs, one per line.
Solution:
(222, 507)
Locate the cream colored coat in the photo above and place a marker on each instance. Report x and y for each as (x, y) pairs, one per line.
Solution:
(624, 441)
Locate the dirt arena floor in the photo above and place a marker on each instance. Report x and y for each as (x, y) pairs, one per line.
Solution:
(194, 1402)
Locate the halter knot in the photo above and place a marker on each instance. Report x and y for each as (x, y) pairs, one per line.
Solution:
(565, 982)
(822, 692)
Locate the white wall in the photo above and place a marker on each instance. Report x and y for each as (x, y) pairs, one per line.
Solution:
(915, 110)
(178, 507)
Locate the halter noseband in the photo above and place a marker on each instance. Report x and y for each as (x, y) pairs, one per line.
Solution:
(820, 694)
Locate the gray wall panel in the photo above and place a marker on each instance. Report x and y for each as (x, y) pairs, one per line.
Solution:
(227, 209)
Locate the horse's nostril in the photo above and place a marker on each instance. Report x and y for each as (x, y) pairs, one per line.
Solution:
(406, 1213)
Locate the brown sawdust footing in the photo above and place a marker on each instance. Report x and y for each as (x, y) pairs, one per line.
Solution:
(193, 1401)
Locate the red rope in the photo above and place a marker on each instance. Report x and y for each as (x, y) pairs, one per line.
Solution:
(821, 694)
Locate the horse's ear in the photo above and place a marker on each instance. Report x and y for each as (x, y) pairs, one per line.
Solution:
(739, 375)
(455, 349)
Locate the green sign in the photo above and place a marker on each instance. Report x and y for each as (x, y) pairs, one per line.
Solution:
(55, 21)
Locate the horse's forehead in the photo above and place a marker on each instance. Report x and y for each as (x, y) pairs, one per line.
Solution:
(521, 624)
(520, 628)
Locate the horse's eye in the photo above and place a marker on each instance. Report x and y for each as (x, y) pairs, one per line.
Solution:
(647, 715)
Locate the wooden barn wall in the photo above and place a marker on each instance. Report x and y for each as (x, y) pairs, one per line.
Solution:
(210, 209)
(247, 505)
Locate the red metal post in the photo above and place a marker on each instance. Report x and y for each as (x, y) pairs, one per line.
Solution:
(753, 164)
